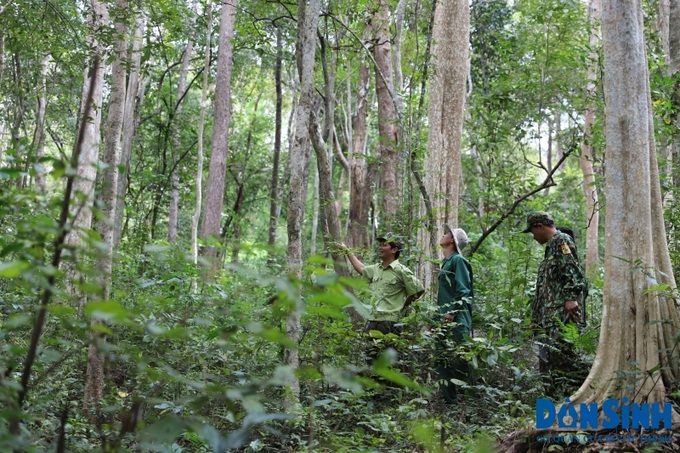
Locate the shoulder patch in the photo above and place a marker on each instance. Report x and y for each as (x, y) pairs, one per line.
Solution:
(565, 249)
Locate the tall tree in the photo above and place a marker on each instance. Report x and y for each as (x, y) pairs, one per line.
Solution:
(360, 174)
(641, 366)
(134, 95)
(274, 192)
(214, 191)
(388, 118)
(308, 20)
(201, 125)
(586, 159)
(450, 66)
(89, 154)
(40, 132)
(173, 212)
(94, 379)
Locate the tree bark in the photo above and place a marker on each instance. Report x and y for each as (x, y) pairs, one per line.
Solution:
(633, 205)
(274, 191)
(333, 231)
(89, 157)
(201, 125)
(173, 211)
(399, 13)
(388, 119)
(586, 159)
(450, 62)
(94, 378)
(214, 194)
(360, 190)
(133, 100)
(308, 19)
(39, 136)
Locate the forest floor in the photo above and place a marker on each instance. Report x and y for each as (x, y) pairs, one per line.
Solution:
(534, 441)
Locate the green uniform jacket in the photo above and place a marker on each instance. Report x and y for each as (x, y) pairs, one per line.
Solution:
(389, 287)
(455, 291)
(560, 279)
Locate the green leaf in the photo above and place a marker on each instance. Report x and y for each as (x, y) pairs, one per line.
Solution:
(330, 312)
(61, 310)
(18, 320)
(12, 269)
(492, 359)
(275, 335)
(102, 328)
(164, 431)
(106, 311)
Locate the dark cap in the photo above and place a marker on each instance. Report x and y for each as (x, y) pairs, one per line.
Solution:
(392, 239)
(538, 218)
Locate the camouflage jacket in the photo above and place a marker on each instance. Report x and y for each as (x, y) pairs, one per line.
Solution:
(560, 279)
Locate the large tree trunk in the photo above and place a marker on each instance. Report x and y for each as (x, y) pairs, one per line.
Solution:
(308, 19)
(388, 119)
(94, 378)
(360, 189)
(450, 62)
(214, 191)
(586, 159)
(633, 205)
(669, 30)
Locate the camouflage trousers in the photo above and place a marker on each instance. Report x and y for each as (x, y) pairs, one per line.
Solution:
(561, 364)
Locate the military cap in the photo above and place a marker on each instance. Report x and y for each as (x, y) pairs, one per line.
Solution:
(392, 239)
(538, 218)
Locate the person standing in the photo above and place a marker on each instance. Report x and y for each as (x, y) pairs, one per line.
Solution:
(454, 302)
(560, 293)
(392, 286)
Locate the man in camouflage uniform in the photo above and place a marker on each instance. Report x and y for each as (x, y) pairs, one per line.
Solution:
(560, 293)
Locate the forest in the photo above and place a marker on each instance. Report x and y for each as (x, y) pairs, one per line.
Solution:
(185, 187)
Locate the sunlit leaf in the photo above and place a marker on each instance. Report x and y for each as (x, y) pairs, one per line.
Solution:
(12, 269)
(106, 311)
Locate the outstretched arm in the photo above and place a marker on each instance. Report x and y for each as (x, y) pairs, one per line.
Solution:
(356, 264)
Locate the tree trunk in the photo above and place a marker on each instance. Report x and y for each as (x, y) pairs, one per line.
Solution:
(214, 191)
(133, 100)
(274, 191)
(201, 125)
(388, 119)
(360, 191)
(333, 234)
(315, 212)
(396, 55)
(586, 159)
(173, 212)
(81, 211)
(94, 378)
(308, 19)
(633, 205)
(39, 137)
(450, 62)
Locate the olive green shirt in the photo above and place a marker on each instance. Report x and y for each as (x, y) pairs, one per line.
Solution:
(389, 288)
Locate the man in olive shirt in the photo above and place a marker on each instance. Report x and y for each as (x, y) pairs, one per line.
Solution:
(392, 285)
